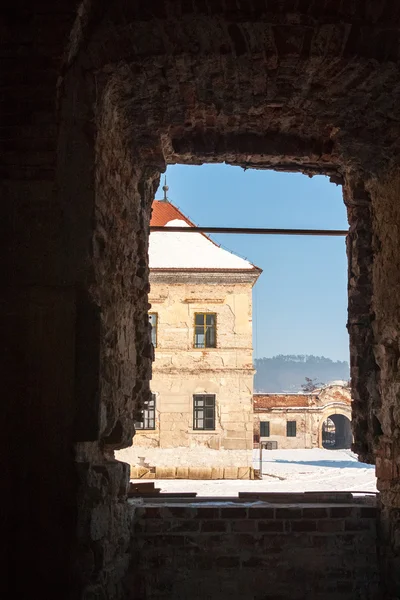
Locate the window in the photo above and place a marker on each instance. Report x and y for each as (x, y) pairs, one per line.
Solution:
(204, 411)
(205, 330)
(149, 415)
(153, 320)
(264, 428)
(291, 428)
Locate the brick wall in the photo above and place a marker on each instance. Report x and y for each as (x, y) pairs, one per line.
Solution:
(254, 552)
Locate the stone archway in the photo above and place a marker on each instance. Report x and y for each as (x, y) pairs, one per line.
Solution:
(285, 85)
(138, 131)
(340, 423)
(336, 432)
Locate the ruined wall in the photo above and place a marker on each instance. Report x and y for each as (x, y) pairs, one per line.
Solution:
(117, 294)
(364, 370)
(385, 416)
(290, 551)
(374, 293)
(309, 423)
(309, 412)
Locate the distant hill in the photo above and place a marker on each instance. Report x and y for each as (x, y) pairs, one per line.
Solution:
(287, 373)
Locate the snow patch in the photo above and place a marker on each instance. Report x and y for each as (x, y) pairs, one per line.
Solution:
(190, 251)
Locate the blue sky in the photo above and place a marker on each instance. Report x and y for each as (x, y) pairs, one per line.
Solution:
(300, 299)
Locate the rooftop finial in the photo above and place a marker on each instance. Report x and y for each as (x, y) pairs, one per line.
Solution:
(165, 188)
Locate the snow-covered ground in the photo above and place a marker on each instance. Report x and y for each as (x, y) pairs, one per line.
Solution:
(289, 471)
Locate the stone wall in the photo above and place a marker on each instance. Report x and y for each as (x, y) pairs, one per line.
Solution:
(364, 370)
(106, 198)
(114, 337)
(384, 412)
(253, 552)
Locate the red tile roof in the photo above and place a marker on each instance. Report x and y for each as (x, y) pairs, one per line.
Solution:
(164, 212)
(262, 402)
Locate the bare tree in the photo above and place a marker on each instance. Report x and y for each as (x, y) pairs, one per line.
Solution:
(311, 385)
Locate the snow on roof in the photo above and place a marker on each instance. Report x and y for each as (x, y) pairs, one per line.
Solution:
(186, 250)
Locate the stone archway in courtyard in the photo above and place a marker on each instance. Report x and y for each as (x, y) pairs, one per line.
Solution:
(335, 420)
(336, 432)
(142, 85)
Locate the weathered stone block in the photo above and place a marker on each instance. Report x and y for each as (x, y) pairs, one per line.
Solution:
(273, 525)
(200, 473)
(134, 473)
(100, 522)
(217, 473)
(244, 473)
(182, 472)
(255, 512)
(230, 473)
(213, 526)
(142, 471)
(228, 512)
(165, 473)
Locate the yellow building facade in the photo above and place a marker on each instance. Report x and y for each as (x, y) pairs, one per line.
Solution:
(201, 319)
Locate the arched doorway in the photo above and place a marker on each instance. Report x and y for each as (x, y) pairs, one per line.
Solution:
(336, 432)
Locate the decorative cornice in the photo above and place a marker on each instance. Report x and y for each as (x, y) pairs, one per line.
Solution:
(204, 276)
(158, 300)
(204, 300)
(195, 370)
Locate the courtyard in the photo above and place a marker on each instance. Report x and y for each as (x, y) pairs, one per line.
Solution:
(289, 471)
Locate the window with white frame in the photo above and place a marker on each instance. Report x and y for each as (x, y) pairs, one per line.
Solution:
(204, 412)
(148, 415)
